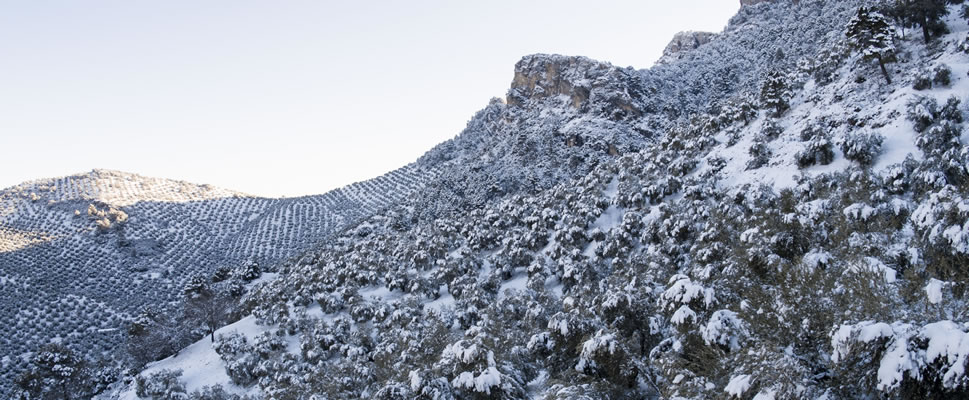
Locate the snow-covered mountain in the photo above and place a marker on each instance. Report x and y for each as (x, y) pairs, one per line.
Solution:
(768, 215)
(81, 255)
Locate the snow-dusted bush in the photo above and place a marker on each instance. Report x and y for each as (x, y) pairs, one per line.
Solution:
(724, 329)
(760, 154)
(862, 146)
(161, 385)
(818, 151)
(922, 111)
(942, 75)
(927, 361)
(923, 80)
(216, 392)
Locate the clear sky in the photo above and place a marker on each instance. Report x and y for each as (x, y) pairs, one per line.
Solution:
(287, 97)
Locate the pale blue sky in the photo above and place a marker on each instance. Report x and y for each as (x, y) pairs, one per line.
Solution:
(284, 97)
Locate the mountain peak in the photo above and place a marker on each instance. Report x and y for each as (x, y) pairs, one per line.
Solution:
(576, 80)
(684, 42)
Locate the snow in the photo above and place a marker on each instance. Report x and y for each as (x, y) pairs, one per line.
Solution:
(894, 364)
(446, 300)
(610, 218)
(381, 293)
(724, 328)
(415, 380)
(483, 382)
(859, 211)
(766, 394)
(536, 385)
(946, 349)
(738, 385)
(517, 283)
(949, 344)
(933, 291)
(683, 314)
(875, 265)
(815, 259)
(683, 290)
(201, 366)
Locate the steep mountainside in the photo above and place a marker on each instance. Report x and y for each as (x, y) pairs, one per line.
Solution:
(771, 215)
(81, 255)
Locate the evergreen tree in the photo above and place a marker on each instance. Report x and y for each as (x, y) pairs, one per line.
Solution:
(55, 373)
(870, 33)
(926, 14)
(221, 273)
(197, 287)
(249, 271)
(775, 93)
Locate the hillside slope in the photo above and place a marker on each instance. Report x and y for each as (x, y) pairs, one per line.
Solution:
(81, 255)
(763, 217)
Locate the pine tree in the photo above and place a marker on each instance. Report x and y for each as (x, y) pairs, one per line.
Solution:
(870, 33)
(775, 93)
(926, 14)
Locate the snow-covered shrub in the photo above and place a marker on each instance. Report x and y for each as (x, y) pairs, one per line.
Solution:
(216, 392)
(161, 385)
(724, 329)
(942, 222)
(811, 131)
(230, 345)
(770, 130)
(922, 111)
(248, 271)
(952, 110)
(238, 357)
(471, 368)
(923, 80)
(818, 151)
(862, 146)
(760, 154)
(681, 295)
(605, 355)
(902, 359)
(939, 138)
(937, 127)
(221, 273)
(942, 75)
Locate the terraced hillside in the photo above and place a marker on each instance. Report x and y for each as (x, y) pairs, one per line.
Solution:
(80, 254)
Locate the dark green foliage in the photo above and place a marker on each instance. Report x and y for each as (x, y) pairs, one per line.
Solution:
(818, 151)
(161, 385)
(760, 154)
(862, 146)
(923, 81)
(221, 273)
(869, 33)
(249, 271)
(926, 14)
(55, 373)
(775, 93)
(942, 75)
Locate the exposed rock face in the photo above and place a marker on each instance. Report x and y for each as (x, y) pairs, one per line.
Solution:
(683, 42)
(585, 82)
